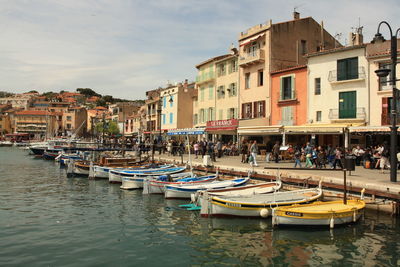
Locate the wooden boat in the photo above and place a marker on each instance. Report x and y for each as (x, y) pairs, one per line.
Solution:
(103, 171)
(158, 186)
(319, 213)
(258, 205)
(51, 154)
(115, 176)
(81, 168)
(137, 182)
(186, 190)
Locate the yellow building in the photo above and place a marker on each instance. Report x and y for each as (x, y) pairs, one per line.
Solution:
(39, 124)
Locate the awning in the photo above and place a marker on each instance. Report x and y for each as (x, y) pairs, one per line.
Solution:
(222, 125)
(252, 39)
(186, 131)
(365, 129)
(260, 130)
(316, 129)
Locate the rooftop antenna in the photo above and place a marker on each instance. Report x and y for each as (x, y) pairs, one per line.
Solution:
(337, 37)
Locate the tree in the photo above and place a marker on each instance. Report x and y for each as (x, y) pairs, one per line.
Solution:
(109, 128)
(87, 92)
(33, 91)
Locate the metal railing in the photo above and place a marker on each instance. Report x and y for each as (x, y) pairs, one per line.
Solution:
(333, 77)
(336, 114)
(205, 76)
(252, 57)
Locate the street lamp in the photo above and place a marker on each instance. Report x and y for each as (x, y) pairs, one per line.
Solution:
(383, 73)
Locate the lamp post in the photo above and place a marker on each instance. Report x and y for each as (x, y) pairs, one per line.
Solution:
(382, 72)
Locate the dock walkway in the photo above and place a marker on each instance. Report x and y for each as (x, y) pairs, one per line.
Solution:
(372, 180)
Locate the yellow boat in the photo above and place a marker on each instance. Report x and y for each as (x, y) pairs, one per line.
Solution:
(319, 213)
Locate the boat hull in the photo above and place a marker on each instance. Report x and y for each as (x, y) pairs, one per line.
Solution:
(132, 183)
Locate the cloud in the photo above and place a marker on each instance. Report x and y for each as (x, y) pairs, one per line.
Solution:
(125, 48)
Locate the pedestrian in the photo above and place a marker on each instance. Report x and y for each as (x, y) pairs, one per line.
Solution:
(196, 149)
(276, 150)
(384, 156)
(254, 152)
(244, 151)
(268, 150)
(358, 152)
(297, 156)
(210, 148)
(219, 148)
(338, 158)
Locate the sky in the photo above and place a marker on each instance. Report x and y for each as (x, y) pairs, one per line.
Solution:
(124, 48)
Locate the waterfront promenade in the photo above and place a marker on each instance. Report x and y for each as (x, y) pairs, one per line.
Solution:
(370, 179)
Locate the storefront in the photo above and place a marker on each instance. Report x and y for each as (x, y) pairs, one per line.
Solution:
(224, 130)
(366, 136)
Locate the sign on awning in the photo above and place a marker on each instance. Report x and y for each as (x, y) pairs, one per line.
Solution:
(190, 131)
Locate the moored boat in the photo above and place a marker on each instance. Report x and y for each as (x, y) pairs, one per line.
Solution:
(103, 171)
(186, 190)
(81, 168)
(115, 176)
(138, 181)
(258, 205)
(319, 213)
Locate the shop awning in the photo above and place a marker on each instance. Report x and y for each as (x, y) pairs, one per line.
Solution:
(222, 125)
(316, 129)
(260, 130)
(366, 129)
(252, 39)
(186, 131)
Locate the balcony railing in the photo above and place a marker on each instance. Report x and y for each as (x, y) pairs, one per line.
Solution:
(252, 58)
(287, 122)
(333, 77)
(357, 114)
(205, 77)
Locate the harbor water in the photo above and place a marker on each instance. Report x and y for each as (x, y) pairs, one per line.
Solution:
(47, 219)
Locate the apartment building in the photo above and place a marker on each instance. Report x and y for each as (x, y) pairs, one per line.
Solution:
(38, 123)
(74, 121)
(266, 48)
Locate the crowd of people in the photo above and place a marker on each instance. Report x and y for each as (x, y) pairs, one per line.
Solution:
(375, 157)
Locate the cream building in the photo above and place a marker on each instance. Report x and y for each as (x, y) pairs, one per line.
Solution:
(338, 92)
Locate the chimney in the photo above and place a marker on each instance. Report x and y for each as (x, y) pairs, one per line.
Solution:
(356, 38)
(296, 15)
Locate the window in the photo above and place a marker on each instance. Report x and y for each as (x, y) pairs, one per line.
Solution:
(202, 115)
(287, 90)
(259, 109)
(318, 116)
(247, 112)
(69, 118)
(260, 77)
(171, 100)
(211, 115)
(247, 81)
(221, 69)
(195, 119)
(287, 115)
(232, 66)
(232, 89)
(163, 118)
(231, 113)
(171, 118)
(347, 69)
(202, 93)
(303, 47)
(221, 92)
(317, 86)
(69, 126)
(164, 101)
(210, 92)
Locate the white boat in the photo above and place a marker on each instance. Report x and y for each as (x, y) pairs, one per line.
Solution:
(138, 181)
(115, 176)
(6, 143)
(258, 205)
(186, 190)
(158, 186)
(103, 171)
(239, 191)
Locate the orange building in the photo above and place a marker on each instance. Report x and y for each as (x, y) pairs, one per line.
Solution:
(289, 99)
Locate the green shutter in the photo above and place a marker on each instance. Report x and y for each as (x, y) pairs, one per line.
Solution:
(353, 68)
(341, 70)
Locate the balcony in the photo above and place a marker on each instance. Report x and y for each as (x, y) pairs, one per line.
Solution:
(333, 77)
(205, 77)
(357, 115)
(290, 122)
(252, 58)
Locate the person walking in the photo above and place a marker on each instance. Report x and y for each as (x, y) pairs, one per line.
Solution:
(196, 149)
(338, 158)
(297, 156)
(254, 152)
(275, 151)
(268, 150)
(244, 151)
(219, 148)
(384, 162)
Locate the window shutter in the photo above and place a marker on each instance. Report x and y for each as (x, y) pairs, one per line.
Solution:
(255, 111)
(263, 109)
(341, 70)
(281, 89)
(251, 111)
(293, 81)
(243, 111)
(385, 111)
(353, 68)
